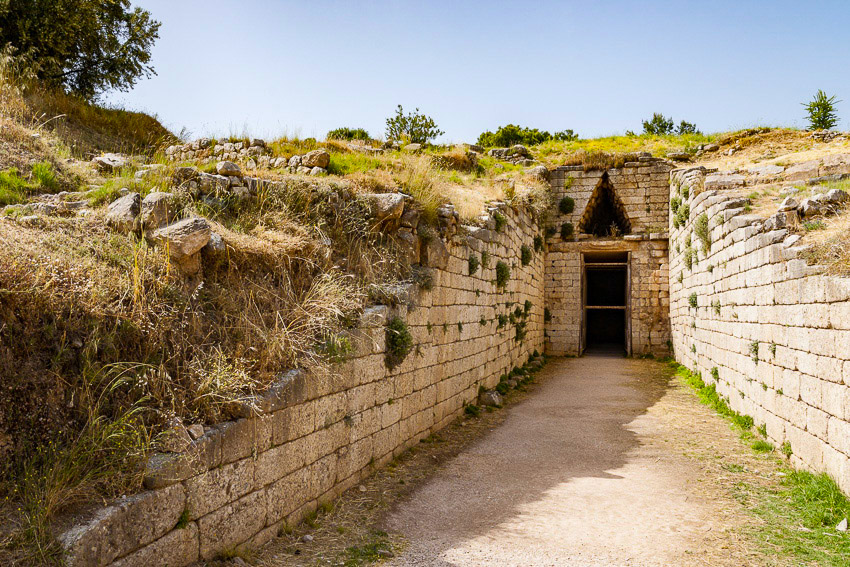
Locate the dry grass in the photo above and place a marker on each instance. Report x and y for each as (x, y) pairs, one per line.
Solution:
(80, 303)
(830, 246)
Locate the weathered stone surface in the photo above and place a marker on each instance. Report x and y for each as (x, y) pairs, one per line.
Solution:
(490, 398)
(316, 158)
(232, 524)
(433, 253)
(724, 180)
(811, 207)
(802, 171)
(177, 548)
(385, 206)
(108, 163)
(157, 210)
(184, 238)
(213, 489)
(413, 148)
(228, 168)
(789, 204)
(123, 527)
(123, 213)
(411, 244)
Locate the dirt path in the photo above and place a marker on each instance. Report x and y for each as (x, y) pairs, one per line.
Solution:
(603, 461)
(578, 474)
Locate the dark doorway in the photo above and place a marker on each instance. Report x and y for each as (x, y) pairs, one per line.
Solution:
(606, 301)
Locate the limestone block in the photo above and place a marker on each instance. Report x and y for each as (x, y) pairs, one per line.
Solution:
(232, 524)
(215, 488)
(123, 527)
(177, 548)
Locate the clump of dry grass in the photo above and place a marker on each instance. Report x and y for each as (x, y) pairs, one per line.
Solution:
(591, 160)
(457, 159)
(830, 246)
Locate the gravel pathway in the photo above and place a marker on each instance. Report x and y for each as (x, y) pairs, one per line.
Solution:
(582, 473)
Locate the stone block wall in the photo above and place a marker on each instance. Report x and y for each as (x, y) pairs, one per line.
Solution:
(642, 187)
(776, 329)
(649, 301)
(317, 435)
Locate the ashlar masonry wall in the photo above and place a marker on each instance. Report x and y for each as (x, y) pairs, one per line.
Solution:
(642, 189)
(318, 435)
(772, 332)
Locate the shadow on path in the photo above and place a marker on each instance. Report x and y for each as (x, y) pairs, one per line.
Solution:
(533, 490)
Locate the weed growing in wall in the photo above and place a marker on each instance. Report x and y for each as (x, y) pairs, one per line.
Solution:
(686, 192)
(715, 373)
(459, 327)
(754, 351)
(551, 231)
(399, 342)
(525, 255)
(675, 203)
(503, 274)
(336, 347)
(701, 232)
(683, 214)
(503, 320)
(566, 230)
(474, 262)
(689, 258)
(482, 322)
(526, 308)
(692, 300)
(566, 205)
(680, 277)
(547, 315)
(716, 306)
(772, 349)
(538, 243)
(485, 259)
(786, 449)
(500, 220)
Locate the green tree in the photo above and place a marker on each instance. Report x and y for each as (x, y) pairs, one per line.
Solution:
(658, 125)
(415, 127)
(821, 112)
(511, 134)
(687, 128)
(83, 46)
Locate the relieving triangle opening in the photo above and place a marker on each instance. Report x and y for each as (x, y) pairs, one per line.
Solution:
(605, 214)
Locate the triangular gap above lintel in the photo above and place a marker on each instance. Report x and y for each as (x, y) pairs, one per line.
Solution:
(605, 214)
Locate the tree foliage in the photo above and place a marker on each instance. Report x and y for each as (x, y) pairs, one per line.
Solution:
(83, 46)
(414, 127)
(660, 125)
(821, 112)
(512, 134)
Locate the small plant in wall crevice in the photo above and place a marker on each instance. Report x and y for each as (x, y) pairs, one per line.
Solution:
(566, 230)
(566, 205)
(525, 255)
(399, 342)
(503, 274)
(474, 262)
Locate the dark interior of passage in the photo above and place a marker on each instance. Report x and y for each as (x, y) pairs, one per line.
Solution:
(606, 302)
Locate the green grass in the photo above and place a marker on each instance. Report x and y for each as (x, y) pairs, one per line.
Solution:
(799, 519)
(15, 189)
(799, 516)
(708, 395)
(344, 164)
(369, 552)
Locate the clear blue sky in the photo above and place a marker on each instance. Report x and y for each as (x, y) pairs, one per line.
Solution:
(598, 67)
